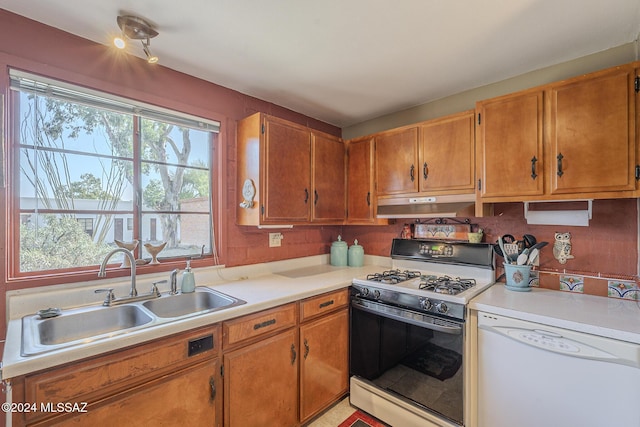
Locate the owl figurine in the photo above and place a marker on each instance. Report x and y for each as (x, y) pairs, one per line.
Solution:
(562, 247)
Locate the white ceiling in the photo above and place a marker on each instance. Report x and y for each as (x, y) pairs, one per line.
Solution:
(347, 61)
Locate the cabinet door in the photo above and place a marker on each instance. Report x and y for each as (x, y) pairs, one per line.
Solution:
(287, 166)
(447, 153)
(328, 180)
(510, 156)
(261, 383)
(396, 154)
(324, 364)
(592, 135)
(360, 207)
(188, 397)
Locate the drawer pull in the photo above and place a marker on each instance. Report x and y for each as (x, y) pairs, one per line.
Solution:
(264, 324)
(326, 304)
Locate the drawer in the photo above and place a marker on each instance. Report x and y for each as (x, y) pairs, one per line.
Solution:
(315, 306)
(259, 324)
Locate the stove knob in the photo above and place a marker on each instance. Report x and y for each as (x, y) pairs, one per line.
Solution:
(425, 303)
(442, 307)
(376, 294)
(365, 291)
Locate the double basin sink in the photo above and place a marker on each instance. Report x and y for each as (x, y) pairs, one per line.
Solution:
(84, 325)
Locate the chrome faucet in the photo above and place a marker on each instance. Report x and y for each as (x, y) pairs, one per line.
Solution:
(173, 280)
(132, 261)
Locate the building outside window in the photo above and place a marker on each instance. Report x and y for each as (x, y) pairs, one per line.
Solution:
(87, 225)
(94, 169)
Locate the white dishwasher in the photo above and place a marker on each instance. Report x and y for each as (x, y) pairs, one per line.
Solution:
(534, 375)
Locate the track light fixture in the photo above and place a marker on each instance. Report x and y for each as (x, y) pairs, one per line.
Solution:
(135, 28)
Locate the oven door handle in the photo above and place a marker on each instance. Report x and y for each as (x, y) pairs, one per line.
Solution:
(453, 329)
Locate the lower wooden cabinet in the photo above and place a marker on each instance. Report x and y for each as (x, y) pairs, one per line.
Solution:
(285, 377)
(187, 397)
(261, 383)
(164, 382)
(324, 364)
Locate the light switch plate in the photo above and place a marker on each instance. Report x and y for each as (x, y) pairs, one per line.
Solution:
(275, 240)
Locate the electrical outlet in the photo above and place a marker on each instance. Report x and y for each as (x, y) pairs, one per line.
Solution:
(275, 240)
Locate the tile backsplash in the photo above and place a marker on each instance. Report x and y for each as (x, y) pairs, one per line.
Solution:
(600, 286)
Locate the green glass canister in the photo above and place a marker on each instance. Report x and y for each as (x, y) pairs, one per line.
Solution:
(339, 253)
(356, 255)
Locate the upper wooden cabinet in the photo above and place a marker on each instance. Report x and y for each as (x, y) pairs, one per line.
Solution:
(297, 174)
(328, 179)
(509, 145)
(360, 182)
(396, 161)
(573, 139)
(447, 154)
(591, 133)
(434, 157)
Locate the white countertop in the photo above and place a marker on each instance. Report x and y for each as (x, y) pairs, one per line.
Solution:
(262, 286)
(608, 317)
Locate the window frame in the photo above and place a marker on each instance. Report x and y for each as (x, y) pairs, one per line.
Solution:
(11, 175)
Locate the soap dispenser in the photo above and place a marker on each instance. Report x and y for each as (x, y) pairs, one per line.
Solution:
(188, 279)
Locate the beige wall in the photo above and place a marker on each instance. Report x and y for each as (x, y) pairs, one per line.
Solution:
(466, 100)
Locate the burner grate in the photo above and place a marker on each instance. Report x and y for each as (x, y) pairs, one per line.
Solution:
(445, 284)
(393, 277)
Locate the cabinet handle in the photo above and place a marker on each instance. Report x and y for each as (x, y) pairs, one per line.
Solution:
(560, 157)
(293, 354)
(326, 303)
(264, 324)
(412, 173)
(212, 384)
(315, 197)
(425, 172)
(534, 175)
(306, 348)
(369, 198)
(306, 196)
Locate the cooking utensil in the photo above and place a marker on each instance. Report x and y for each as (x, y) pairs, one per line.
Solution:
(512, 250)
(529, 240)
(538, 245)
(533, 256)
(523, 257)
(504, 252)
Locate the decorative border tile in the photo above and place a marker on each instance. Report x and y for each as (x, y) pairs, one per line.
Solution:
(572, 283)
(534, 278)
(625, 290)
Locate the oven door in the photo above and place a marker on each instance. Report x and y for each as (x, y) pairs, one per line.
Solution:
(413, 356)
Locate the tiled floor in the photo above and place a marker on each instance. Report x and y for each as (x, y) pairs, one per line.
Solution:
(334, 416)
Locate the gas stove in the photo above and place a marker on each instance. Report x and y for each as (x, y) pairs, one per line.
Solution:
(431, 276)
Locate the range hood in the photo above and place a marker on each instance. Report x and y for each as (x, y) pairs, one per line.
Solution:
(427, 207)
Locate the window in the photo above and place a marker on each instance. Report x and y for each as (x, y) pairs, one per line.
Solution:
(88, 162)
(87, 225)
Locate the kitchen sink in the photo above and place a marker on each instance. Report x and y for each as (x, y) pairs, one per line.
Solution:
(84, 325)
(81, 325)
(202, 300)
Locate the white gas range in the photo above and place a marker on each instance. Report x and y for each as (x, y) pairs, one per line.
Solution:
(407, 342)
(431, 272)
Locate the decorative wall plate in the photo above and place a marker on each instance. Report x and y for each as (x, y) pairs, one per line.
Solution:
(248, 192)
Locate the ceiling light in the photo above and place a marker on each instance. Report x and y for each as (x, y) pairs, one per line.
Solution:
(136, 28)
(151, 58)
(120, 42)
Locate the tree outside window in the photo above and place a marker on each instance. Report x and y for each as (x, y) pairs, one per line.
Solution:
(85, 168)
